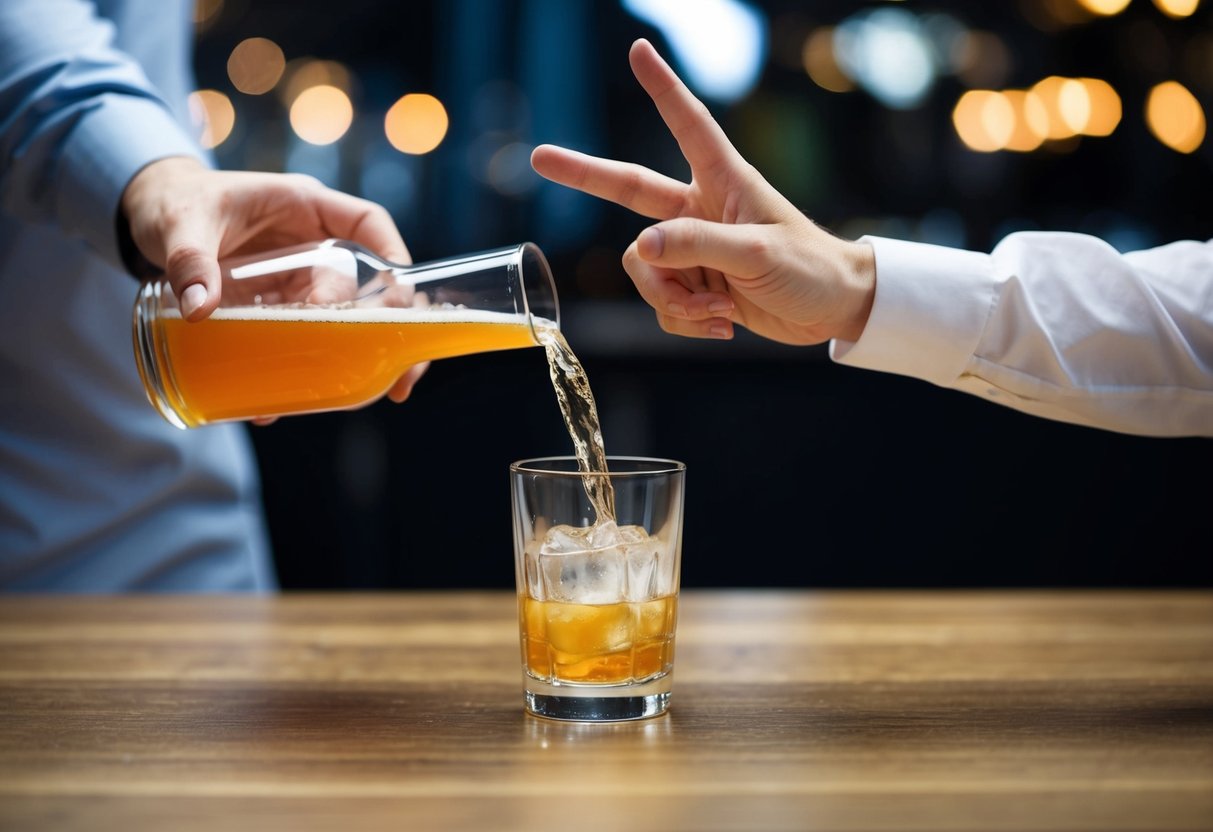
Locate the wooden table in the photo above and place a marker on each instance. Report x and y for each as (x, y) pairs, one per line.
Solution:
(835, 710)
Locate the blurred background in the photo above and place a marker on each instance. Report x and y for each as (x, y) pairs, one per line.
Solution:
(947, 122)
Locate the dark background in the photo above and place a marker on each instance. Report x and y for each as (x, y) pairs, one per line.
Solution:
(800, 472)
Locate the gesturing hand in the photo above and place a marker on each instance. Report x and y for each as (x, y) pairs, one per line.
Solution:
(185, 217)
(730, 248)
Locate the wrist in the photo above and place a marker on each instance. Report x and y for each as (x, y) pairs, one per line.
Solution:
(137, 203)
(857, 261)
(147, 180)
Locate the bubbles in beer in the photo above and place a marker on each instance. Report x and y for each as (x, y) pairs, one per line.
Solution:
(351, 312)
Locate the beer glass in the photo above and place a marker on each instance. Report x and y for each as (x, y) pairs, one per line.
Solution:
(330, 325)
(597, 599)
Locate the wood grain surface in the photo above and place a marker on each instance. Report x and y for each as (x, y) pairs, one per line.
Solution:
(792, 710)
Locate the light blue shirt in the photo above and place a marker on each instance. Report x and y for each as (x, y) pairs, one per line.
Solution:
(97, 492)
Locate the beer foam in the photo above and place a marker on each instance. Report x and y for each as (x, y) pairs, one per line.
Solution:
(347, 313)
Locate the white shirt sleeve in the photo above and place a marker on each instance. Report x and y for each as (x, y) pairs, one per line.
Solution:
(1053, 324)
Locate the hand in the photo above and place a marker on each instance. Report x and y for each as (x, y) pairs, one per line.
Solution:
(185, 217)
(730, 248)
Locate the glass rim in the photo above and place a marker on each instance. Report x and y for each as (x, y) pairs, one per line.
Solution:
(541, 274)
(534, 466)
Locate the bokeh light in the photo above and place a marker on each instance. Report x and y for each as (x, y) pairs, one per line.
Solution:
(1074, 105)
(720, 46)
(1104, 8)
(1049, 91)
(889, 53)
(213, 113)
(984, 120)
(255, 65)
(817, 55)
(1031, 121)
(1054, 15)
(206, 12)
(1105, 107)
(1055, 110)
(1175, 117)
(304, 73)
(1177, 8)
(416, 124)
(321, 115)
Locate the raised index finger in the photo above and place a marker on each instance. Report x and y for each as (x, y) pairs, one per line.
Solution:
(644, 191)
(699, 137)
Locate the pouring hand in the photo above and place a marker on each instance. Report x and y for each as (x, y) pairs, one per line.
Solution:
(185, 217)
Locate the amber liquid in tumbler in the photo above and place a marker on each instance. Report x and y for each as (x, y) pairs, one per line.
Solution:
(237, 367)
(598, 643)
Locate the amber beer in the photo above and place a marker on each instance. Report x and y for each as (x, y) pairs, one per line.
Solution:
(247, 362)
(328, 325)
(617, 643)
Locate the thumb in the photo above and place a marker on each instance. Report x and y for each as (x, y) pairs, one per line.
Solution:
(684, 243)
(192, 269)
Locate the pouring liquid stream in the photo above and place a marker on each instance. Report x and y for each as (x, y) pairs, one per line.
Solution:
(580, 412)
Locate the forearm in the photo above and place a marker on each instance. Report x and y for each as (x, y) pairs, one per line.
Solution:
(79, 119)
(1056, 325)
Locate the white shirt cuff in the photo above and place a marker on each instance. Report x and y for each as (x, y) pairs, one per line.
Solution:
(931, 306)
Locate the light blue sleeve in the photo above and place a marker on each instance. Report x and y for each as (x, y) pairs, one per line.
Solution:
(78, 119)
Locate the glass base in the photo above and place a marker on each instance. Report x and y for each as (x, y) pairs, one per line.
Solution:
(592, 709)
(598, 703)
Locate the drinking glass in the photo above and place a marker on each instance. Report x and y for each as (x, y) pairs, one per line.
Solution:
(330, 325)
(597, 598)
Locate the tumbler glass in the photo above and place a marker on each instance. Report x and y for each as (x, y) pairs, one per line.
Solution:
(597, 598)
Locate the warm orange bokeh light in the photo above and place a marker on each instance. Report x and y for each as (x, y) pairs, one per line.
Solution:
(1049, 91)
(819, 61)
(1105, 8)
(1175, 117)
(984, 120)
(1031, 121)
(1074, 105)
(1104, 106)
(1177, 8)
(214, 113)
(321, 115)
(416, 123)
(305, 73)
(255, 65)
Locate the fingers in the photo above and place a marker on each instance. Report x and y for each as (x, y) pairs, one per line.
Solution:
(743, 251)
(191, 265)
(679, 295)
(363, 222)
(635, 187)
(701, 139)
(720, 329)
(328, 286)
(403, 387)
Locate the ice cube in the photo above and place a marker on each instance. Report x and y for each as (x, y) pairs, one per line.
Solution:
(564, 539)
(586, 577)
(641, 559)
(633, 534)
(604, 534)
